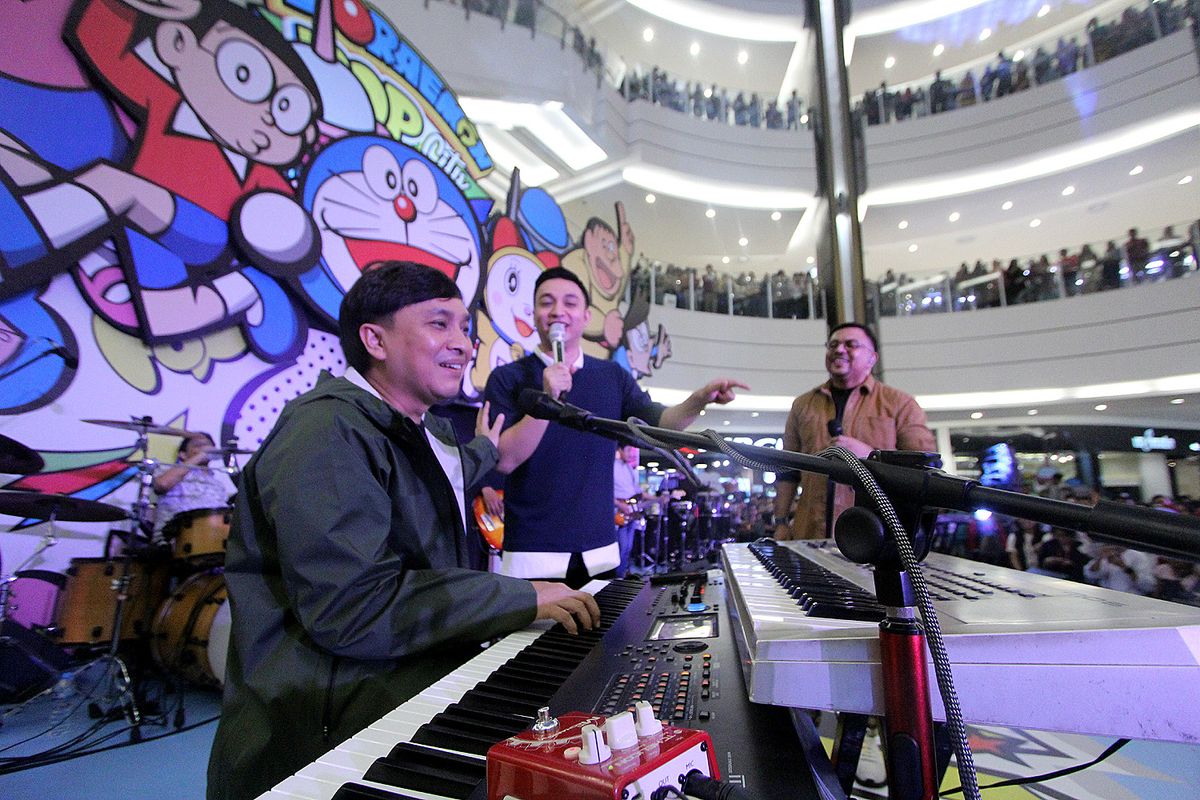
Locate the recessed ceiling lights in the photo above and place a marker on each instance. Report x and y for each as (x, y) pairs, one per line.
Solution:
(804, 119)
(650, 198)
(954, 216)
(889, 62)
(1019, 55)
(1006, 205)
(938, 50)
(1101, 407)
(1035, 222)
(903, 224)
(1043, 11)
(725, 422)
(1186, 179)
(1032, 412)
(1178, 401)
(743, 57)
(648, 35)
(1068, 191)
(776, 216)
(702, 413)
(1136, 170)
(754, 413)
(710, 213)
(985, 34)
(912, 248)
(810, 260)
(694, 49)
(743, 241)
(976, 415)
(724, 259)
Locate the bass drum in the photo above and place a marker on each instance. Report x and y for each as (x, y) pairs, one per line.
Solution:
(88, 604)
(190, 636)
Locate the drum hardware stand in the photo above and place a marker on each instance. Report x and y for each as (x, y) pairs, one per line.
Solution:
(49, 539)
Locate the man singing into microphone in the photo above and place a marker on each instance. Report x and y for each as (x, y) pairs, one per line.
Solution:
(852, 410)
(558, 522)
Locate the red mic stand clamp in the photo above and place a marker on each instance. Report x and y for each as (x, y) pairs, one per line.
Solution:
(909, 735)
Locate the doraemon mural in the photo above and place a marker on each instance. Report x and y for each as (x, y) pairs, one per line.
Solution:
(374, 199)
(188, 189)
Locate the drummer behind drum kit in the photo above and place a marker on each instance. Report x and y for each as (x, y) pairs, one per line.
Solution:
(123, 600)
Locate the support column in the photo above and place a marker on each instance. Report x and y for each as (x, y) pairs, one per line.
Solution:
(945, 450)
(1154, 474)
(840, 168)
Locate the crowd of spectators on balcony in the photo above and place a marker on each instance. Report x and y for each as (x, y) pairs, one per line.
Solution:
(1009, 74)
(712, 102)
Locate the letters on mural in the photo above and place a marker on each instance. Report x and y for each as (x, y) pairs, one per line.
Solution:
(188, 189)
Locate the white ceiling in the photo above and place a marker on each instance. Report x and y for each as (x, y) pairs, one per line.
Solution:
(1107, 201)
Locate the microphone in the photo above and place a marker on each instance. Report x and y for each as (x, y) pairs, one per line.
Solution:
(540, 405)
(834, 426)
(558, 341)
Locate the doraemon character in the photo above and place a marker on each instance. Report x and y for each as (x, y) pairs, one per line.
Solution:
(374, 199)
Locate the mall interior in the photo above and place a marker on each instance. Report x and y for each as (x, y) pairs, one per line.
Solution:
(1006, 192)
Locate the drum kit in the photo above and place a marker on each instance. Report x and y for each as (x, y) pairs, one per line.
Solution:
(675, 532)
(135, 598)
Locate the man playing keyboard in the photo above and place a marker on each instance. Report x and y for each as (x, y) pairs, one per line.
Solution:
(344, 562)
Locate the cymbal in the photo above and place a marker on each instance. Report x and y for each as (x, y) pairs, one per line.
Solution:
(62, 507)
(17, 459)
(140, 426)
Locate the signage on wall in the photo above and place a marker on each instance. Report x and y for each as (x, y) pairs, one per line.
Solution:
(1148, 442)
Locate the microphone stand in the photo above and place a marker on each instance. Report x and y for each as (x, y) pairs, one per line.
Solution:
(914, 487)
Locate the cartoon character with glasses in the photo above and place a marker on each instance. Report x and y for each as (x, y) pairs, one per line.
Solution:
(224, 106)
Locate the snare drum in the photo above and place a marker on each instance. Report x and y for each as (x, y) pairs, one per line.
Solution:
(190, 636)
(199, 535)
(89, 600)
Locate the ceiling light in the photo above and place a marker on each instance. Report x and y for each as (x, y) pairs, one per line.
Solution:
(743, 241)
(1043, 11)
(1177, 401)
(1068, 191)
(1035, 222)
(1019, 55)
(1186, 179)
(694, 49)
(810, 260)
(1101, 407)
(954, 216)
(776, 216)
(903, 224)
(650, 198)
(804, 119)
(754, 413)
(547, 122)
(725, 422)
(724, 259)
(985, 34)
(648, 35)
(1006, 205)
(937, 51)
(1136, 170)
(1032, 412)
(710, 213)
(889, 62)
(976, 415)
(743, 57)
(912, 248)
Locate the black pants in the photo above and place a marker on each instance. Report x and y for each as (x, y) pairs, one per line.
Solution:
(577, 574)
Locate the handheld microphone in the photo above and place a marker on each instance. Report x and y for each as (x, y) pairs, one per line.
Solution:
(558, 341)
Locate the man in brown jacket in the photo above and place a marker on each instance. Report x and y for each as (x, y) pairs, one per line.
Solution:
(852, 410)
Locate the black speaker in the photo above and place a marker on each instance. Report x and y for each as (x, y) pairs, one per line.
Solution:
(29, 662)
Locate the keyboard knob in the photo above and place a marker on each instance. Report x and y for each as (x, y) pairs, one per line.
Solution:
(593, 750)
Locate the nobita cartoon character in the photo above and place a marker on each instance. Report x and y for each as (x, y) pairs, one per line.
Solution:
(602, 262)
(374, 199)
(639, 352)
(224, 106)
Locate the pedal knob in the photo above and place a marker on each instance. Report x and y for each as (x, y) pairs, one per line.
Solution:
(619, 730)
(647, 724)
(593, 749)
